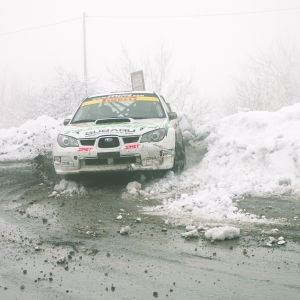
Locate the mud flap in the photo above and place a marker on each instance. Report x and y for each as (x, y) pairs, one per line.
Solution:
(179, 159)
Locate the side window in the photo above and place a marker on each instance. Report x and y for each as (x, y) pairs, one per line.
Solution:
(84, 112)
(165, 104)
(159, 110)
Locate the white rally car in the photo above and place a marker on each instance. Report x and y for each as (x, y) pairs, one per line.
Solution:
(125, 131)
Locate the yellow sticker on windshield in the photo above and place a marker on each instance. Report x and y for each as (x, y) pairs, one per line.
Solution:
(119, 98)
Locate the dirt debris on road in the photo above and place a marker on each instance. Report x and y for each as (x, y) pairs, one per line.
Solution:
(70, 247)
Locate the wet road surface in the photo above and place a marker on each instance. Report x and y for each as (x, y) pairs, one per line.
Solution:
(71, 247)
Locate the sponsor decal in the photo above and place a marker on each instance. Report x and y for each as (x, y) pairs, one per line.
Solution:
(110, 128)
(120, 98)
(132, 146)
(111, 131)
(85, 149)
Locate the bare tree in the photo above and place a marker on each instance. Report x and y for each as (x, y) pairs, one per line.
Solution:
(201, 107)
(2, 100)
(180, 91)
(19, 103)
(158, 68)
(268, 82)
(119, 74)
(67, 91)
(13, 102)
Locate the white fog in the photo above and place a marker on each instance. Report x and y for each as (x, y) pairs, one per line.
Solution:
(208, 58)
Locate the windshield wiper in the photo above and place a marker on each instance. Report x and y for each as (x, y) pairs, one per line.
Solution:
(145, 117)
(84, 121)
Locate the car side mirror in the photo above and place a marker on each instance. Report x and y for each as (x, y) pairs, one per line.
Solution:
(66, 121)
(172, 116)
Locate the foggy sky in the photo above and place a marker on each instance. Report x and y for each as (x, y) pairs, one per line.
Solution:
(208, 38)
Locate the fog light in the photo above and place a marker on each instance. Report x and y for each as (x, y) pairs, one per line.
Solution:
(165, 152)
(56, 159)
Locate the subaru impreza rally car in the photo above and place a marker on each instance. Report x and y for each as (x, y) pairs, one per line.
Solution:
(128, 131)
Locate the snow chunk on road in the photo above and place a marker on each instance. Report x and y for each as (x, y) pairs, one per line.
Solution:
(222, 233)
(190, 234)
(190, 228)
(133, 186)
(70, 188)
(125, 230)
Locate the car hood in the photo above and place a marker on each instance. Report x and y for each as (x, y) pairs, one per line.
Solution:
(135, 127)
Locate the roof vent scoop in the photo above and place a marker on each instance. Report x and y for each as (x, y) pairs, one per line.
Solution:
(113, 120)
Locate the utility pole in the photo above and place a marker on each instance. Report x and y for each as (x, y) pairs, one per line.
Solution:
(84, 48)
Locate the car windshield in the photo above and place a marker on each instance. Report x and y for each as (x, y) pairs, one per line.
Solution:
(119, 106)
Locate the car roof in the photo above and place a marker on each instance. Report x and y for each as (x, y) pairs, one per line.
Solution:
(123, 93)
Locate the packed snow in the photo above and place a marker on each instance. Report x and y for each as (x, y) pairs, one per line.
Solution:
(124, 230)
(30, 139)
(222, 233)
(65, 187)
(248, 154)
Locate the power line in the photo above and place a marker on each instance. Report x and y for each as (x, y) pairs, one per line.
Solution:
(197, 16)
(157, 17)
(42, 26)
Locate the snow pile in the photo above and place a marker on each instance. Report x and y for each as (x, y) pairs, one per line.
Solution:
(70, 188)
(222, 233)
(258, 152)
(37, 136)
(30, 139)
(249, 154)
(185, 121)
(192, 132)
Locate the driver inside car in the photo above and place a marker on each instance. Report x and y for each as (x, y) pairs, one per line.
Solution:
(105, 111)
(144, 109)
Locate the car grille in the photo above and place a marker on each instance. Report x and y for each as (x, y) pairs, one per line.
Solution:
(94, 162)
(130, 139)
(124, 160)
(87, 142)
(116, 161)
(108, 142)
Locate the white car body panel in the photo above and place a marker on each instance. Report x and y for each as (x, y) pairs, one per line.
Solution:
(134, 156)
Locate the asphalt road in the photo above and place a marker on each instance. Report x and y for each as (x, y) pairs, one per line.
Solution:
(71, 247)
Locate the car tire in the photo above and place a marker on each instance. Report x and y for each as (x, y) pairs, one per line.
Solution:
(179, 159)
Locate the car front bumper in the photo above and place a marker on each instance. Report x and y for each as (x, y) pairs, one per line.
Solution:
(130, 157)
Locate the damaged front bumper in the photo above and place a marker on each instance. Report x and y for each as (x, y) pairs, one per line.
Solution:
(127, 157)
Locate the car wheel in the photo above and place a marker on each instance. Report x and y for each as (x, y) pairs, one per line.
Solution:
(179, 159)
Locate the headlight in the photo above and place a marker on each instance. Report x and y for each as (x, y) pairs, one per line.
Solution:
(67, 141)
(153, 136)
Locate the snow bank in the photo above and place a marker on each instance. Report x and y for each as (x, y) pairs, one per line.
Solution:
(30, 139)
(256, 151)
(37, 136)
(191, 131)
(249, 154)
